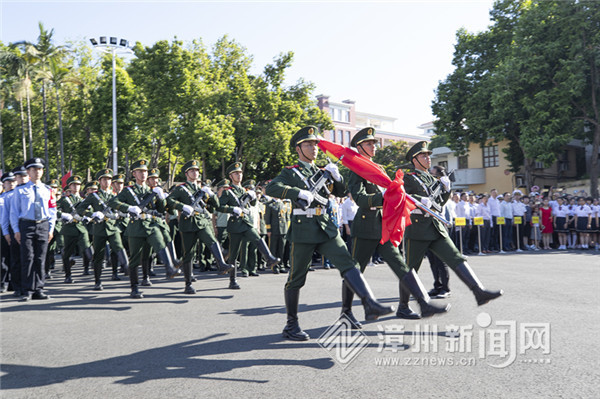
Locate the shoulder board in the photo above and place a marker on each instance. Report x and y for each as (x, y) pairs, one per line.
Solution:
(291, 167)
(182, 184)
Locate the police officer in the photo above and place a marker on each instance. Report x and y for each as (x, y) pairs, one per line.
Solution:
(105, 229)
(15, 248)
(195, 204)
(236, 201)
(32, 218)
(8, 184)
(428, 233)
(74, 230)
(366, 237)
(145, 207)
(312, 229)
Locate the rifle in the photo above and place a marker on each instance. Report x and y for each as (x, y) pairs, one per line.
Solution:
(315, 186)
(76, 216)
(437, 191)
(143, 205)
(429, 211)
(199, 205)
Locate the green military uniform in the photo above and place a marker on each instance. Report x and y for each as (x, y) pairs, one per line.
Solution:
(248, 251)
(195, 205)
(240, 225)
(427, 233)
(144, 227)
(222, 219)
(105, 230)
(312, 229)
(74, 230)
(56, 236)
(277, 220)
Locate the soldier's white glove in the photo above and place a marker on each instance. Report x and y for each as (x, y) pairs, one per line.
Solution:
(67, 217)
(98, 215)
(237, 210)
(335, 172)
(426, 201)
(307, 196)
(252, 195)
(159, 193)
(445, 180)
(134, 210)
(207, 191)
(187, 210)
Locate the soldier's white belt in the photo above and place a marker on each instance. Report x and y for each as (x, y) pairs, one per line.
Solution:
(310, 212)
(418, 212)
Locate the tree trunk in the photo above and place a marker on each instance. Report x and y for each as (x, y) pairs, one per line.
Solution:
(594, 162)
(29, 125)
(23, 131)
(44, 113)
(155, 154)
(528, 169)
(60, 132)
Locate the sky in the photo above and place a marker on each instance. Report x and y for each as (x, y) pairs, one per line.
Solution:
(387, 56)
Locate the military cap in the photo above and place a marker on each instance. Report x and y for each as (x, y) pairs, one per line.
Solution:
(119, 178)
(104, 173)
(249, 184)
(8, 176)
(141, 164)
(74, 179)
(131, 183)
(419, 148)
(366, 134)
(234, 167)
(193, 164)
(53, 183)
(91, 184)
(34, 163)
(308, 133)
(20, 170)
(154, 172)
(223, 183)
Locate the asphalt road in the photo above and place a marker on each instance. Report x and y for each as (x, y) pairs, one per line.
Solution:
(541, 339)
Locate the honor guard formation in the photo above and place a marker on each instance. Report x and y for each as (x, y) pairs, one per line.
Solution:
(238, 228)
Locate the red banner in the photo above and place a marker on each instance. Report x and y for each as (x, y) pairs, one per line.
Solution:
(396, 206)
(63, 180)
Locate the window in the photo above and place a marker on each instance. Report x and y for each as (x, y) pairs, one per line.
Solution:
(490, 156)
(347, 137)
(333, 136)
(538, 165)
(346, 115)
(463, 162)
(340, 136)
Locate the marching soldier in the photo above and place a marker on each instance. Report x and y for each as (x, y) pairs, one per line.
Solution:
(74, 231)
(8, 184)
(366, 237)
(32, 218)
(248, 252)
(277, 220)
(146, 207)
(311, 229)
(195, 223)
(222, 218)
(21, 178)
(236, 201)
(53, 184)
(105, 228)
(427, 233)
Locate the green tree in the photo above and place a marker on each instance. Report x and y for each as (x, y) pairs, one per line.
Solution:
(392, 157)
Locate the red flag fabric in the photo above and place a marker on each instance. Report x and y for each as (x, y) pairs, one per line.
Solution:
(63, 180)
(396, 206)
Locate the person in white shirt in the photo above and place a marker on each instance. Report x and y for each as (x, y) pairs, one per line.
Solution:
(506, 211)
(518, 210)
(560, 213)
(583, 220)
(494, 203)
(595, 226)
(484, 211)
(349, 209)
(463, 210)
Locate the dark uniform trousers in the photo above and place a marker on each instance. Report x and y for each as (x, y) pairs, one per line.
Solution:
(439, 271)
(34, 244)
(15, 262)
(5, 261)
(190, 242)
(362, 249)
(442, 247)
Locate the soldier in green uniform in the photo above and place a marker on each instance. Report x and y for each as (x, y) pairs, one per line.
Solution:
(88, 188)
(146, 208)
(366, 237)
(117, 184)
(105, 228)
(74, 231)
(240, 226)
(53, 244)
(428, 233)
(311, 229)
(277, 220)
(195, 223)
(248, 251)
(222, 218)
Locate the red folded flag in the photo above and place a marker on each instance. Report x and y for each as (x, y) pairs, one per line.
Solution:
(396, 206)
(63, 180)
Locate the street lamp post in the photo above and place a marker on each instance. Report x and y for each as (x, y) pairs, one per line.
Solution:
(113, 46)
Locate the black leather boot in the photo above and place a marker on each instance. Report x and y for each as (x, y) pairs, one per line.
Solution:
(347, 297)
(88, 254)
(224, 267)
(357, 283)
(133, 279)
(412, 282)
(135, 293)
(68, 264)
(187, 272)
(171, 270)
(123, 261)
(483, 296)
(233, 285)
(176, 262)
(266, 253)
(404, 311)
(292, 329)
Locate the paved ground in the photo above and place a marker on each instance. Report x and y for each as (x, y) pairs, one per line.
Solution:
(222, 343)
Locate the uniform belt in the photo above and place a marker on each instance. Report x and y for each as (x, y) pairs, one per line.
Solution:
(310, 212)
(33, 220)
(374, 208)
(418, 212)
